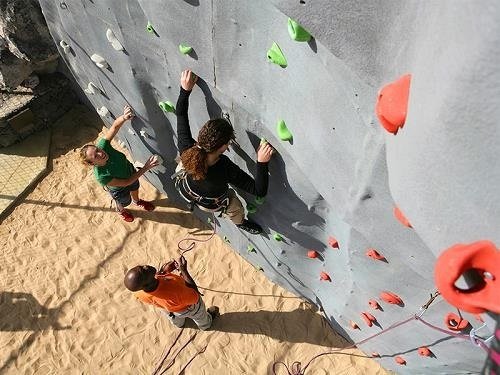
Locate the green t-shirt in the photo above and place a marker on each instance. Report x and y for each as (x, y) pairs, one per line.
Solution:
(117, 165)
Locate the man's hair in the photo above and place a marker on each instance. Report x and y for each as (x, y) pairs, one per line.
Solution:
(213, 135)
(83, 154)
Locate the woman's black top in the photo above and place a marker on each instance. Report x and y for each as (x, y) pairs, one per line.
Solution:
(224, 171)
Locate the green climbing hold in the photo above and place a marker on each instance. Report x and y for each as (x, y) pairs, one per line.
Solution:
(209, 220)
(277, 237)
(251, 249)
(251, 208)
(259, 200)
(226, 239)
(185, 49)
(283, 132)
(167, 106)
(275, 56)
(297, 32)
(150, 28)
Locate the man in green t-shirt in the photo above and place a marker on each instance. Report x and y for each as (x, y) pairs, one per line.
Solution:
(113, 171)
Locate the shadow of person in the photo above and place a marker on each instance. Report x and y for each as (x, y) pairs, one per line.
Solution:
(22, 312)
(213, 108)
(297, 326)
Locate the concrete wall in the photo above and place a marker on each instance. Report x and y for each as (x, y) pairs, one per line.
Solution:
(343, 174)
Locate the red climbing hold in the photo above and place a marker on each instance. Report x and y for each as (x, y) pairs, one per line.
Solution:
(375, 355)
(401, 218)
(353, 325)
(424, 351)
(481, 258)
(332, 241)
(324, 276)
(374, 254)
(374, 304)
(368, 318)
(312, 254)
(392, 298)
(455, 323)
(392, 104)
(400, 360)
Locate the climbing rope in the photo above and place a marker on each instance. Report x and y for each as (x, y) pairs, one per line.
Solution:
(158, 370)
(296, 369)
(166, 353)
(193, 240)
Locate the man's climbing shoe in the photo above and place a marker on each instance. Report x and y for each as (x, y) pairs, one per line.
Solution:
(148, 206)
(126, 215)
(250, 227)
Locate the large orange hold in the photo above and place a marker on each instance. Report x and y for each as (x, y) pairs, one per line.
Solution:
(324, 276)
(332, 241)
(374, 254)
(392, 104)
(400, 360)
(312, 254)
(401, 217)
(368, 318)
(455, 323)
(391, 298)
(424, 351)
(481, 257)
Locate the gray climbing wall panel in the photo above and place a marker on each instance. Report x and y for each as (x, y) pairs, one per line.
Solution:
(343, 174)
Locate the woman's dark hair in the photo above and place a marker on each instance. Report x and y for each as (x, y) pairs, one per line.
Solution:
(213, 135)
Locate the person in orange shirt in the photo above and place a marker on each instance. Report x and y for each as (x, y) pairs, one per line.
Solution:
(178, 296)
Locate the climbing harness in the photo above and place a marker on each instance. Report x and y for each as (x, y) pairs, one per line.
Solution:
(296, 367)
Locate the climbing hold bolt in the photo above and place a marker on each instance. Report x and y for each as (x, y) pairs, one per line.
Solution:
(259, 200)
(353, 325)
(150, 28)
(401, 217)
(251, 208)
(374, 304)
(283, 133)
(332, 241)
(251, 249)
(297, 32)
(312, 254)
(99, 61)
(400, 360)
(424, 351)
(324, 276)
(65, 46)
(392, 104)
(167, 106)
(455, 322)
(103, 111)
(275, 56)
(185, 49)
(368, 318)
(277, 237)
(115, 43)
(391, 298)
(374, 254)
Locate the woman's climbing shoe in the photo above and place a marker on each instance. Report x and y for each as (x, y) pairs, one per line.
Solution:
(126, 215)
(250, 227)
(148, 206)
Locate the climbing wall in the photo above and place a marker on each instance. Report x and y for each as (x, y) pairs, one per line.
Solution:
(387, 149)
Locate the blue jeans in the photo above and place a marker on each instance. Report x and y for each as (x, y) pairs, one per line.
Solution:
(122, 195)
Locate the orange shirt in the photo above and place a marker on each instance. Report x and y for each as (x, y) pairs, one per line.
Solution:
(172, 294)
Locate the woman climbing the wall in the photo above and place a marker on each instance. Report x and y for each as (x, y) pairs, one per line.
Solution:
(204, 172)
(114, 172)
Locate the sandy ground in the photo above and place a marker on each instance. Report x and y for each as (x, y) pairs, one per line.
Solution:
(63, 307)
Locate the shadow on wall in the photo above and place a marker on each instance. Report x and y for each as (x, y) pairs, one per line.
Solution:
(22, 312)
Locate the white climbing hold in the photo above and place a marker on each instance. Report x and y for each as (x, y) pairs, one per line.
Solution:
(99, 61)
(115, 43)
(130, 131)
(103, 111)
(138, 164)
(143, 133)
(92, 89)
(65, 46)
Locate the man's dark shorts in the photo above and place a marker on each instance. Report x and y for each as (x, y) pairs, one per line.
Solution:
(122, 195)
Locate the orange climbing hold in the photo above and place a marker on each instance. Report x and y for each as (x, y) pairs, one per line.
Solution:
(391, 298)
(324, 276)
(481, 258)
(424, 351)
(400, 360)
(353, 325)
(374, 254)
(332, 241)
(401, 218)
(455, 323)
(392, 104)
(312, 254)
(368, 318)
(375, 355)
(374, 304)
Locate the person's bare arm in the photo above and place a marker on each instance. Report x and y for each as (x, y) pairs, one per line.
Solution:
(128, 114)
(182, 267)
(121, 182)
